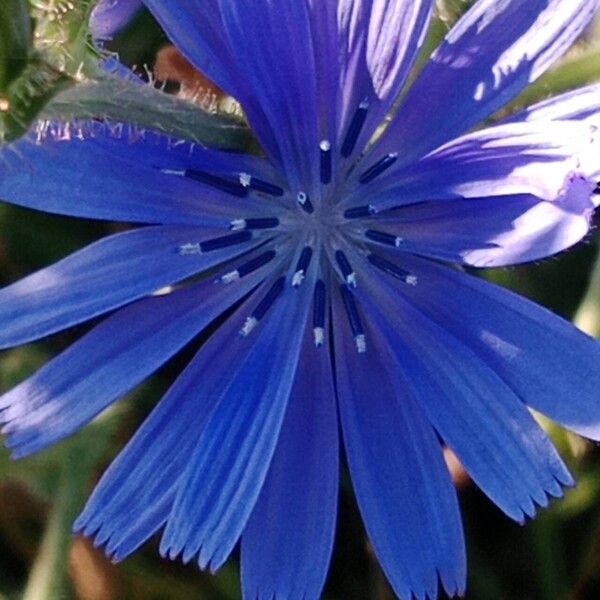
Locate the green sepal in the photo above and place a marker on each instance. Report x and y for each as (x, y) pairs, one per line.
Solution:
(15, 40)
(113, 99)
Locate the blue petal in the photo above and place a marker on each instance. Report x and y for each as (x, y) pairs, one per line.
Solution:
(287, 543)
(579, 104)
(108, 362)
(110, 16)
(494, 51)
(550, 365)
(101, 277)
(197, 28)
(471, 407)
(116, 173)
(494, 231)
(368, 48)
(234, 450)
(533, 158)
(402, 484)
(136, 494)
(272, 44)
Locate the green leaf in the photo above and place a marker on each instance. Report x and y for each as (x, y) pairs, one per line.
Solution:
(15, 40)
(27, 96)
(114, 99)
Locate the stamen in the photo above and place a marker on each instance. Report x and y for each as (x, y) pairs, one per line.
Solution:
(249, 267)
(305, 203)
(215, 244)
(302, 266)
(258, 185)
(266, 223)
(391, 269)
(346, 269)
(355, 128)
(354, 319)
(360, 212)
(189, 249)
(326, 170)
(229, 186)
(263, 306)
(384, 238)
(319, 313)
(378, 168)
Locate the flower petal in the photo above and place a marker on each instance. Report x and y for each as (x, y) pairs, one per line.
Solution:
(493, 52)
(196, 28)
(110, 16)
(550, 365)
(516, 158)
(576, 105)
(272, 44)
(286, 546)
(199, 30)
(136, 494)
(120, 174)
(402, 484)
(375, 44)
(471, 407)
(230, 463)
(105, 275)
(494, 231)
(108, 362)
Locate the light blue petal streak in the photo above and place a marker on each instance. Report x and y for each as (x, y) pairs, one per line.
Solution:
(136, 494)
(286, 546)
(493, 52)
(115, 173)
(109, 361)
(550, 365)
(110, 16)
(103, 276)
(534, 158)
(476, 413)
(230, 463)
(495, 231)
(402, 484)
(373, 46)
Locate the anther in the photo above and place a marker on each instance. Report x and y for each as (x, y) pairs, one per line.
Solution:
(384, 238)
(378, 168)
(229, 186)
(346, 269)
(354, 319)
(258, 185)
(391, 269)
(302, 266)
(326, 170)
(319, 314)
(263, 306)
(356, 125)
(305, 203)
(360, 212)
(265, 223)
(249, 267)
(215, 244)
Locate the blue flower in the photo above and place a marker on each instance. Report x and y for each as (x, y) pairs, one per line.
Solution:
(110, 16)
(330, 258)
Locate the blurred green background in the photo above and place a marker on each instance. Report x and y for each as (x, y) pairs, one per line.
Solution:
(555, 557)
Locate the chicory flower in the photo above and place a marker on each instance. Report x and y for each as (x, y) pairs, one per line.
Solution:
(331, 257)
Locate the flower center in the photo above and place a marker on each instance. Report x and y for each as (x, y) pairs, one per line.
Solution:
(306, 233)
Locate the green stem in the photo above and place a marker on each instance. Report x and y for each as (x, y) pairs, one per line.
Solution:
(49, 578)
(588, 314)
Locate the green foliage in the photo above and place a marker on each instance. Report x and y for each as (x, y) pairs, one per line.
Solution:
(115, 99)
